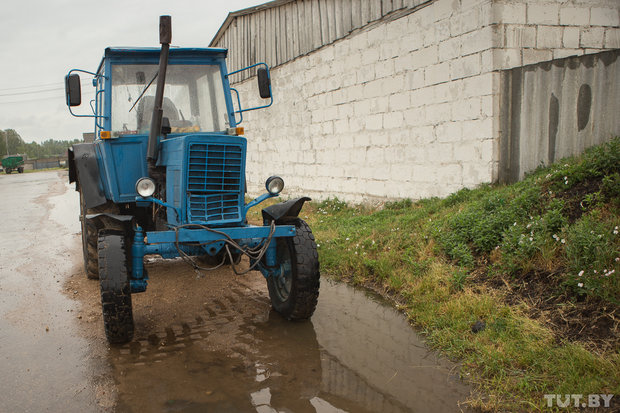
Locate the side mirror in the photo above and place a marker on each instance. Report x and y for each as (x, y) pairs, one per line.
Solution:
(264, 83)
(73, 90)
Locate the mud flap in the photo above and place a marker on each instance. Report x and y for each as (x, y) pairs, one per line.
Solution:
(284, 211)
(124, 221)
(84, 169)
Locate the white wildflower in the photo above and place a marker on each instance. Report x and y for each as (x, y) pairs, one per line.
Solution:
(563, 241)
(580, 273)
(580, 285)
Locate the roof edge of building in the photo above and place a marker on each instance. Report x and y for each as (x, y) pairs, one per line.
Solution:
(250, 10)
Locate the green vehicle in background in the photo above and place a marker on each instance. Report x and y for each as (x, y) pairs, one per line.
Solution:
(12, 163)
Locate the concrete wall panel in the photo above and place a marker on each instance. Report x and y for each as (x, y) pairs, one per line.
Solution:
(557, 109)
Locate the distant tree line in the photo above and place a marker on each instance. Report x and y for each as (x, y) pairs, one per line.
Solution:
(33, 150)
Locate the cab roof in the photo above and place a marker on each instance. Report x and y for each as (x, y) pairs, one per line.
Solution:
(139, 53)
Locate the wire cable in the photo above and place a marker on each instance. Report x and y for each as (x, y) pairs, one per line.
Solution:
(255, 254)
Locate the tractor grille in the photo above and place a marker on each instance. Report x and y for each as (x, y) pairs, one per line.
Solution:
(214, 182)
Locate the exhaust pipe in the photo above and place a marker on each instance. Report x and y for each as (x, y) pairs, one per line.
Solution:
(165, 37)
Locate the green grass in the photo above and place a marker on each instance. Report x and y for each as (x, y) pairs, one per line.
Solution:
(454, 261)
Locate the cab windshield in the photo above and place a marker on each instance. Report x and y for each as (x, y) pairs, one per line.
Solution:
(193, 99)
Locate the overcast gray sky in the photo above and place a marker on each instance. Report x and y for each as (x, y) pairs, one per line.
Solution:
(40, 40)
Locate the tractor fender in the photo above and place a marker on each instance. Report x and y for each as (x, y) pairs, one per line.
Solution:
(284, 211)
(84, 169)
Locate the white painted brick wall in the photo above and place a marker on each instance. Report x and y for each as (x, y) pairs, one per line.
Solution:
(545, 14)
(561, 28)
(574, 16)
(409, 108)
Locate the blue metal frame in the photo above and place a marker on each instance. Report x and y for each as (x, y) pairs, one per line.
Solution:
(94, 115)
(240, 111)
(166, 244)
(257, 201)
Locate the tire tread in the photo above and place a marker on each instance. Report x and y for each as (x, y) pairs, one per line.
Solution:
(114, 273)
(305, 292)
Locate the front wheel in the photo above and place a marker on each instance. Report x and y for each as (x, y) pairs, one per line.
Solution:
(294, 291)
(20, 169)
(114, 271)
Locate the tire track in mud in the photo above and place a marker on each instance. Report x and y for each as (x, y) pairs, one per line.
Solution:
(218, 324)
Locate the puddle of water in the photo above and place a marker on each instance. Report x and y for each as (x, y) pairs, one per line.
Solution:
(355, 355)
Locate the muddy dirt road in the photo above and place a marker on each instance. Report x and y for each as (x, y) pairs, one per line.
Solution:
(202, 343)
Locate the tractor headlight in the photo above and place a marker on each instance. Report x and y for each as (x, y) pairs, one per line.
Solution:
(145, 187)
(274, 185)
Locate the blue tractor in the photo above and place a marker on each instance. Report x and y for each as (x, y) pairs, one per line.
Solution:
(165, 175)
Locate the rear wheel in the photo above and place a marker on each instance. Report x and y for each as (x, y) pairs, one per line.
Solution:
(90, 230)
(114, 271)
(295, 291)
(89, 242)
(8, 170)
(20, 169)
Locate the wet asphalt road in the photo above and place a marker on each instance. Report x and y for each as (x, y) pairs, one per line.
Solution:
(45, 364)
(201, 344)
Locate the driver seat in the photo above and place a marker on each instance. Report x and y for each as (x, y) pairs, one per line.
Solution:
(145, 111)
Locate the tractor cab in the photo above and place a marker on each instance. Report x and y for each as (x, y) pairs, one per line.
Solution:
(196, 94)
